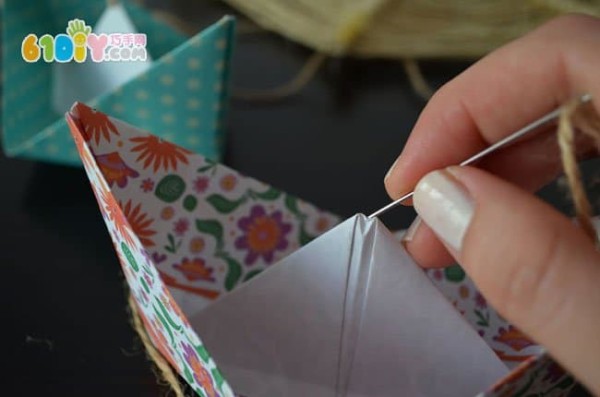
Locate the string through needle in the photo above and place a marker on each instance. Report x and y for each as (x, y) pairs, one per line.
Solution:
(534, 126)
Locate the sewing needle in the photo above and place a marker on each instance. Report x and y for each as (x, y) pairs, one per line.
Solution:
(542, 121)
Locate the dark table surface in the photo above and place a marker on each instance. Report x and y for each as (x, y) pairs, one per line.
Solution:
(64, 321)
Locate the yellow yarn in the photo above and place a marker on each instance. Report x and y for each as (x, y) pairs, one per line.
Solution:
(356, 22)
(352, 29)
(407, 29)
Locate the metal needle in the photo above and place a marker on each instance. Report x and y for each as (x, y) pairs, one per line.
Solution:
(542, 121)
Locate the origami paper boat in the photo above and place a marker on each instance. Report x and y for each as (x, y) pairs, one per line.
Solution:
(184, 92)
(188, 230)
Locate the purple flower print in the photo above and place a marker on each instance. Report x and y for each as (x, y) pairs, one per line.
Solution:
(263, 234)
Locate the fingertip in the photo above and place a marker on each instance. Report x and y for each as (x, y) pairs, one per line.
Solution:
(391, 181)
(426, 250)
(396, 181)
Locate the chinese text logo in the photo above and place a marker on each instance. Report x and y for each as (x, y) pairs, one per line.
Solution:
(74, 46)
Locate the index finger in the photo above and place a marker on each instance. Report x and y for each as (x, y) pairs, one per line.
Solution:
(506, 90)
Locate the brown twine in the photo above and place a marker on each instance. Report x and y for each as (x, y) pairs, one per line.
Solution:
(581, 117)
(416, 78)
(164, 372)
(297, 83)
(417, 81)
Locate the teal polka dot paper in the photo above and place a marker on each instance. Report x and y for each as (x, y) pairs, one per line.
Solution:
(183, 95)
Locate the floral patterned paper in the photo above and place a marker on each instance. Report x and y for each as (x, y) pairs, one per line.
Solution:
(188, 230)
(534, 373)
(165, 323)
(511, 345)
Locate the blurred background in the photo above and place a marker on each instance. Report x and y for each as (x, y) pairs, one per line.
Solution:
(330, 140)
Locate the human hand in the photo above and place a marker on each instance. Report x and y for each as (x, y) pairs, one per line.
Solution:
(534, 265)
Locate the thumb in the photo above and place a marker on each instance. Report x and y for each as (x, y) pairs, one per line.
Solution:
(535, 266)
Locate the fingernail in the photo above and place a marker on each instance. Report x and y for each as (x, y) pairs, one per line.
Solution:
(412, 230)
(445, 206)
(387, 175)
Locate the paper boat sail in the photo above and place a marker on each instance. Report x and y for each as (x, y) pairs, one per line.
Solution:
(184, 91)
(194, 239)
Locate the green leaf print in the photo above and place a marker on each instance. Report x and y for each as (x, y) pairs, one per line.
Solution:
(190, 202)
(224, 205)
(212, 227)
(233, 274)
(525, 389)
(291, 204)
(270, 195)
(170, 188)
(187, 374)
(218, 378)
(143, 282)
(167, 316)
(252, 274)
(210, 164)
(173, 246)
(305, 238)
(564, 384)
(454, 273)
(164, 324)
(129, 256)
(205, 168)
(148, 271)
(483, 321)
(202, 352)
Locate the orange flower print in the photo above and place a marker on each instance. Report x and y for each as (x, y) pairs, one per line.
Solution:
(263, 234)
(513, 338)
(113, 212)
(167, 213)
(195, 269)
(197, 245)
(147, 185)
(159, 153)
(115, 170)
(322, 224)
(96, 124)
(139, 222)
(201, 375)
(228, 182)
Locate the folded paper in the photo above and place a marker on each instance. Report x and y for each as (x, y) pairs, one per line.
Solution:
(350, 314)
(182, 90)
(192, 234)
